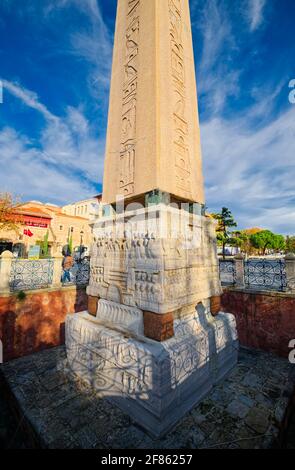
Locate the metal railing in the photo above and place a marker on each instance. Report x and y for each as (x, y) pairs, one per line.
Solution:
(265, 274)
(31, 274)
(80, 273)
(227, 272)
(257, 274)
(39, 274)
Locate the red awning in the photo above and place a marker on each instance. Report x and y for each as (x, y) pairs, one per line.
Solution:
(41, 222)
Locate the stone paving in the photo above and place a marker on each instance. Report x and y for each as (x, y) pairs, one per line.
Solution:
(58, 411)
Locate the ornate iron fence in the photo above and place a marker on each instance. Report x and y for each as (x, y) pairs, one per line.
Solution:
(31, 274)
(227, 272)
(79, 273)
(266, 274)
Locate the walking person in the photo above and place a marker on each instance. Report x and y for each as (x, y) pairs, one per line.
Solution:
(67, 264)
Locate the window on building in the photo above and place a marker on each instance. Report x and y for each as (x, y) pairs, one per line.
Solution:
(61, 227)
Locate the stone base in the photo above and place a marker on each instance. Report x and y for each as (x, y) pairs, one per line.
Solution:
(155, 383)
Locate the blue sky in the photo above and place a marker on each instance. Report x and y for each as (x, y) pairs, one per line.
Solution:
(55, 61)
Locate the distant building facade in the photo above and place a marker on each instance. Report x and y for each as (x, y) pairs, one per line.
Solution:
(87, 208)
(46, 220)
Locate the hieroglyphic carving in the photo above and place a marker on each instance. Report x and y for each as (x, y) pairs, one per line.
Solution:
(180, 281)
(118, 279)
(147, 285)
(128, 133)
(181, 151)
(97, 274)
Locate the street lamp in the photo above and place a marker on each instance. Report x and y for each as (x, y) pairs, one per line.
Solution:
(81, 242)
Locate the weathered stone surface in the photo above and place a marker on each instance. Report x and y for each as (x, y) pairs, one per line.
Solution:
(85, 419)
(238, 408)
(121, 316)
(157, 383)
(160, 258)
(258, 419)
(153, 115)
(140, 260)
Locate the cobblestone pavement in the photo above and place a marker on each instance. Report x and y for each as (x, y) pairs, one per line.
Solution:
(244, 411)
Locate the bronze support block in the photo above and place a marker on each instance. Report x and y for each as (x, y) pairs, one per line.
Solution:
(215, 305)
(92, 305)
(158, 327)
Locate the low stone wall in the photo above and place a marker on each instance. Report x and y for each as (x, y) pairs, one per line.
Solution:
(265, 320)
(37, 321)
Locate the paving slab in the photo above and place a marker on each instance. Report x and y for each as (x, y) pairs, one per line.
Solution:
(55, 410)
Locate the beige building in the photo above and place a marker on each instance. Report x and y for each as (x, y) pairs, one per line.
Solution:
(41, 219)
(87, 208)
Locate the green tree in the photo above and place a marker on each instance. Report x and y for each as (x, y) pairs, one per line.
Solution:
(267, 240)
(239, 239)
(279, 243)
(290, 244)
(226, 221)
(10, 218)
(70, 245)
(45, 247)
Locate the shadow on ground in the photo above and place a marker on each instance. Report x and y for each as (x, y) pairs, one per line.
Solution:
(245, 411)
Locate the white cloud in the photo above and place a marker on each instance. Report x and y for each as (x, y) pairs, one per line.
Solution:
(219, 44)
(255, 13)
(26, 171)
(252, 171)
(67, 162)
(29, 98)
(32, 173)
(90, 41)
(248, 156)
(93, 44)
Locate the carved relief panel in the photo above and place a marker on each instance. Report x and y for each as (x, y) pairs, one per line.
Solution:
(180, 123)
(129, 104)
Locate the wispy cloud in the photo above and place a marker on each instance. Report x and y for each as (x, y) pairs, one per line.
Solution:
(29, 98)
(252, 171)
(68, 154)
(33, 176)
(255, 13)
(219, 45)
(93, 43)
(248, 151)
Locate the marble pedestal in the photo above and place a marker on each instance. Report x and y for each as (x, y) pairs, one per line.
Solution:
(155, 383)
(153, 268)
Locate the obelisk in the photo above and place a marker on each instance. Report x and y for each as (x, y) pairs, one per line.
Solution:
(153, 140)
(152, 341)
